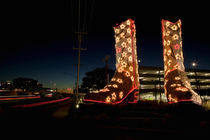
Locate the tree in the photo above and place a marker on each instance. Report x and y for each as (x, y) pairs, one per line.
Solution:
(95, 79)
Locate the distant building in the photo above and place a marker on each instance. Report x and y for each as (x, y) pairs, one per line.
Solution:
(26, 84)
(152, 80)
(6, 85)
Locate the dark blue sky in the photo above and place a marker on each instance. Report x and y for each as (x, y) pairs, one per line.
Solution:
(38, 37)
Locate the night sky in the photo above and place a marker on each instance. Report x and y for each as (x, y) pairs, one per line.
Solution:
(38, 37)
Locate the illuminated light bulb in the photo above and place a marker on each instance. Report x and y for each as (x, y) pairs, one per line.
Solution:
(128, 22)
(179, 24)
(175, 37)
(164, 42)
(119, 60)
(169, 97)
(169, 52)
(113, 79)
(176, 47)
(127, 74)
(117, 31)
(124, 54)
(117, 39)
(166, 67)
(164, 58)
(174, 27)
(168, 42)
(124, 45)
(121, 95)
(129, 40)
(130, 58)
(128, 30)
(122, 35)
(119, 80)
(169, 62)
(183, 89)
(173, 85)
(124, 64)
(108, 99)
(167, 33)
(131, 68)
(115, 86)
(178, 57)
(177, 78)
(104, 90)
(165, 51)
(180, 33)
(113, 96)
(167, 24)
(122, 26)
(118, 50)
(132, 79)
(129, 49)
(187, 83)
(179, 85)
(164, 33)
(120, 69)
(176, 66)
(109, 85)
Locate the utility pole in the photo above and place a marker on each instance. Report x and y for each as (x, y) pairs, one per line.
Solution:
(79, 51)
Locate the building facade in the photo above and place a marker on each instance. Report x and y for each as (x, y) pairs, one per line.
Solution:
(152, 81)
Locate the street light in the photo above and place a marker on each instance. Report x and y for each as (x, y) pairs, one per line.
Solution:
(194, 64)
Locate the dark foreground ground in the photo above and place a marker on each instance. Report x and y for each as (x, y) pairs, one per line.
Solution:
(144, 120)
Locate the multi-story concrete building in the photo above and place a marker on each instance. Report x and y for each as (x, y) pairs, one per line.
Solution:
(152, 80)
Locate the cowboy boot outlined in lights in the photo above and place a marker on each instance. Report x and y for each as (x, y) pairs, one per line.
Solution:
(176, 83)
(124, 85)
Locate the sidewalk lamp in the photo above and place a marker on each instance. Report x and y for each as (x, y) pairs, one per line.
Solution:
(194, 64)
